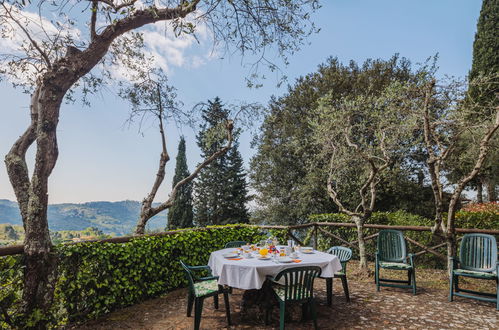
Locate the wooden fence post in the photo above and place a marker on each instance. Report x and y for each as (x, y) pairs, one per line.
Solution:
(315, 236)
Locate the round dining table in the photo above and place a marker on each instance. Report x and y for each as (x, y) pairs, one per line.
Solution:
(250, 273)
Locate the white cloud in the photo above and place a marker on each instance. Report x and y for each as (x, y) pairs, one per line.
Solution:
(15, 44)
(177, 51)
(167, 50)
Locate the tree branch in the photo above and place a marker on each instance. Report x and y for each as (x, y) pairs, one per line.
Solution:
(93, 19)
(15, 160)
(230, 138)
(484, 149)
(332, 191)
(28, 35)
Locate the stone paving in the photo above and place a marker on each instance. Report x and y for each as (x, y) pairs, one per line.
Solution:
(388, 309)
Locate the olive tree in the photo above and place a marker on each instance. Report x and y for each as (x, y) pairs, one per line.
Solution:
(363, 136)
(446, 111)
(79, 45)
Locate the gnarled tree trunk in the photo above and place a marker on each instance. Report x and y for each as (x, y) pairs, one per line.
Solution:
(479, 191)
(32, 195)
(362, 243)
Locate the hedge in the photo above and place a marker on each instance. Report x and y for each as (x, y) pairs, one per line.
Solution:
(96, 278)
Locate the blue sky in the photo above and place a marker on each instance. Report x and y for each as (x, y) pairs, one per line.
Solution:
(102, 158)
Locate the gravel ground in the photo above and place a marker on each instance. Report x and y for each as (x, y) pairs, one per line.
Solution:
(388, 309)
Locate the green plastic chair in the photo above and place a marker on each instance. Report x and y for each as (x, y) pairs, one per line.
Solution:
(392, 254)
(234, 244)
(201, 288)
(477, 259)
(298, 287)
(344, 254)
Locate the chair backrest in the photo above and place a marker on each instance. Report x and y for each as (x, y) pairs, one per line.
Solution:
(235, 244)
(391, 246)
(298, 282)
(343, 253)
(478, 252)
(188, 275)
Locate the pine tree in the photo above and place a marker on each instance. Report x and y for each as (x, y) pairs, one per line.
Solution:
(237, 187)
(180, 215)
(220, 189)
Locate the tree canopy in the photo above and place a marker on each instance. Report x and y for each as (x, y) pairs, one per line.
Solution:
(289, 172)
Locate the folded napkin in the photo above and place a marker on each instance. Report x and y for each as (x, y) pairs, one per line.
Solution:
(296, 260)
(235, 258)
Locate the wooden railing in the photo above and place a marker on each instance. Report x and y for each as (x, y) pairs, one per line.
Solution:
(315, 229)
(318, 228)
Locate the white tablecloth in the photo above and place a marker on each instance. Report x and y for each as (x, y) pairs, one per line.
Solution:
(249, 274)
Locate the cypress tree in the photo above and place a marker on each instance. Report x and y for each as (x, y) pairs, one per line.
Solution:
(220, 189)
(486, 63)
(180, 215)
(485, 48)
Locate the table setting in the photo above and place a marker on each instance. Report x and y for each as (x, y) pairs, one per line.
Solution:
(248, 267)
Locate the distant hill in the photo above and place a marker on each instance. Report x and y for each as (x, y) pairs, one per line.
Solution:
(112, 218)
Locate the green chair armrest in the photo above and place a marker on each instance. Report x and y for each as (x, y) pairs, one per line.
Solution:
(200, 267)
(206, 278)
(411, 257)
(454, 262)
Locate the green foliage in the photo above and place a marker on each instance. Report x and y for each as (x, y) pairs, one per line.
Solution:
(180, 215)
(220, 190)
(10, 292)
(362, 135)
(478, 216)
(485, 64)
(288, 171)
(485, 46)
(95, 278)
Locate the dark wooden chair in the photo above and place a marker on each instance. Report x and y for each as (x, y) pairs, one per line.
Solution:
(294, 285)
(392, 254)
(344, 254)
(201, 288)
(235, 244)
(477, 259)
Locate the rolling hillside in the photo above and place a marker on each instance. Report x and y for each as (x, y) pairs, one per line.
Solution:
(112, 218)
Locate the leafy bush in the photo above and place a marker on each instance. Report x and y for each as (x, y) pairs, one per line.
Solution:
(482, 216)
(97, 277)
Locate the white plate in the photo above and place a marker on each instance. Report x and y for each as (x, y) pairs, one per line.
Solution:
(264, 258)
(284, 259)
(307, 250)
(230, 255)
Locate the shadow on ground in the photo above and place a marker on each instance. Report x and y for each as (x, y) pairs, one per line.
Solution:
(368, 309)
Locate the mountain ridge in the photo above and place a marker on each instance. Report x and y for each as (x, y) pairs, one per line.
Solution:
(113, 218)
